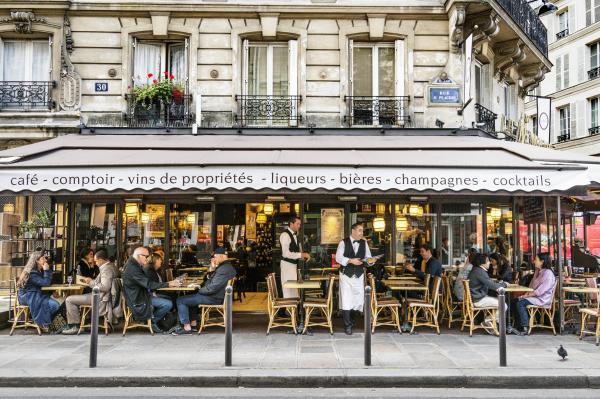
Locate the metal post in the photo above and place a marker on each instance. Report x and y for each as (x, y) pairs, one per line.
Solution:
(502, 322)
(228, 324)
(94, 327)
(367, 312)
(561, 301)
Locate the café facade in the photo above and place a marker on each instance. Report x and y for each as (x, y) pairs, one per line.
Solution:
(186, 194)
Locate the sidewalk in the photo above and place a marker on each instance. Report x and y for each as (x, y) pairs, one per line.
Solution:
(451, 359)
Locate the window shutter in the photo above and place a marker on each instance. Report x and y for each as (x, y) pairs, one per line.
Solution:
(558, 70)
(573, 116)
(572, 19)
(245, 46)
(186, 66)
(581, 119)
(588, 12)
(485, 79)
(132, 60)
(293, 78)
(580, 64)
(597, 11)
(351, 66)
(566, 71)
(1, 60)
(50, 44)
(399, 72)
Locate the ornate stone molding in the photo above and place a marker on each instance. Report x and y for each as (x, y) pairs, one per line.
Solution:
(70, 81)
(485, 27)
(23, 21)
(457, 24)
(510, 54)
(531, 75)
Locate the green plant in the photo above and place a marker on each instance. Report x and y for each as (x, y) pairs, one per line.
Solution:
(163, 89)
(24, 228)
(43, 218)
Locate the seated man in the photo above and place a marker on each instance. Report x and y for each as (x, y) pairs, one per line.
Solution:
(429, 265)
(103, 281)
(480, 283)
(211, 293)
(137, 287)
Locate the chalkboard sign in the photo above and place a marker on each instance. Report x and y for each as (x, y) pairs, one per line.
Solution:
(534, 210)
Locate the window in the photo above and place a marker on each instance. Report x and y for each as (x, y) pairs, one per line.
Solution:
(592, 11)
(158, 57)
(563, 25)
(534, 124)
(594, 116)
(510, 102)
(564, 116)
(482, 85)
(594, 71)
(377, 83)
(270, 83)
(562, 72)
(25, 60)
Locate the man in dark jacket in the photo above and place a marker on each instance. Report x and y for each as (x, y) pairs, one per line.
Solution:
(479, 285)
(429, 265)
(137, 287)
(211, 293)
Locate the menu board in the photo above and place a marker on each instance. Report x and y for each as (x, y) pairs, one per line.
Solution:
(332, 225)
(534, 210)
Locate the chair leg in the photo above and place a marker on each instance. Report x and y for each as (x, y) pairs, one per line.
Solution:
(293, 316)
(551, 318)
(84, 313)
(126, 324)
(531, 320)
(105, 325)
(271, 317)
(150, 326)
(582, 327)
(597, 330)
(308, 311)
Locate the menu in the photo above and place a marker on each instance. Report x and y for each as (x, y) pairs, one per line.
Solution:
(534, 210)
(332, 225)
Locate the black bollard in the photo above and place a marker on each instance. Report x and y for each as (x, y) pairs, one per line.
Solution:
(367, 313)
(94, 327)
(228, 323)
(502, 321)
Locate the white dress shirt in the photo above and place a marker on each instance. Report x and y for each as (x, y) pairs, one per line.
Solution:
(284, 240)
(339, 254)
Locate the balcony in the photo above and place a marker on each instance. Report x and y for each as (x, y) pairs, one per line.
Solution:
(594, 73)
(564, 137)
(378, 111)
(562, 34)
(485, 118)
(594, 130)
(175, 114)
(26, 95)
(529, 22)
(268, 110)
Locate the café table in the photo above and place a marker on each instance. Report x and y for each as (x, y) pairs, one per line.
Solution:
(405, 286)
(582, 290)
(193, 269)
(324, 269)
(509, 290)
(177, 289)
(65, 289)
(301, 285)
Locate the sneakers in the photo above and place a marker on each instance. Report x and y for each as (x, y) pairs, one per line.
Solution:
(156, 329)
(70, 330)
(488, 326)
(181, 331)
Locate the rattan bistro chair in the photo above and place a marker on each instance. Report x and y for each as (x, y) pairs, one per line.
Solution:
(545, 312)
(430, 309)
(324, 305)
(385, 310)
(470, 312)
(21, 314)
(128, 313)
(218, 313)
(592, 311)
(86, 310)
(449, 304)
(275, 304)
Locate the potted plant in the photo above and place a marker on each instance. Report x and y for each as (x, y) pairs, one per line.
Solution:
(148, 98)
(26, 229)
(44, 219)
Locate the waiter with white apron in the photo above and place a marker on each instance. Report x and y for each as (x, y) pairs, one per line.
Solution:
(291, 253)
(351, 254)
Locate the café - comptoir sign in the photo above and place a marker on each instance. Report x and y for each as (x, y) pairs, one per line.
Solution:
(287, 178)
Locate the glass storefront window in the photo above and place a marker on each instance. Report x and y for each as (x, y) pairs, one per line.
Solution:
(191, 234)
(145, 225)
(415, 226)
(96, 227)
(461, 231)
(499, 230)
(323, 227)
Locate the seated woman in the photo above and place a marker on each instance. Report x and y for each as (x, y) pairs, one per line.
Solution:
(153, 272)
(35, 275)
(463, 273)
(543, 283)
(86, 266)
(500, 268)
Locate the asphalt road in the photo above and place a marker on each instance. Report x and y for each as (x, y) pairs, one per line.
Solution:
(243, 393)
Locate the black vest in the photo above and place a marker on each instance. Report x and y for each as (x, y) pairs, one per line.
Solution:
(351, 270)
(294, 247)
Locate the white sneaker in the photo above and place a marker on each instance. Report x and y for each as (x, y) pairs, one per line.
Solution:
(488, 326)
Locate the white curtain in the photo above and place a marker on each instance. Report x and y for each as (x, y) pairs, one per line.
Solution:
(177, 62)
(147, 60)
(26, 60)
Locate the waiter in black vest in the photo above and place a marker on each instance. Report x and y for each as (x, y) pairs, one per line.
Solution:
(352, 253)
(291, 253)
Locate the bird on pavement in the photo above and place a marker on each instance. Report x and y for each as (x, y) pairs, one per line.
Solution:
(562, 352)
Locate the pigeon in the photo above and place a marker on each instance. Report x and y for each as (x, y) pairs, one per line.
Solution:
(562, 352)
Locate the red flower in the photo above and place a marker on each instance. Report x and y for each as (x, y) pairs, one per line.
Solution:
(150, 75)
(155, 81)
(165, 73)
(171, 77)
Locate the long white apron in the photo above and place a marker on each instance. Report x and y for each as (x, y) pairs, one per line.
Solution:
(352, 292)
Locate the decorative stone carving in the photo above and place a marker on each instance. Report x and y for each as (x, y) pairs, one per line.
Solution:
(457, 23)
(485, 27)
(376, 25)
(23, 20)
(70, 80)
(510, 54)
(269, 22)
(531, 75)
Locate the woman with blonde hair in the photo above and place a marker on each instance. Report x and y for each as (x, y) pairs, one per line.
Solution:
(35, 275)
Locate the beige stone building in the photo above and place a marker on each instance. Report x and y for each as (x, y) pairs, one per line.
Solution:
(71, 66)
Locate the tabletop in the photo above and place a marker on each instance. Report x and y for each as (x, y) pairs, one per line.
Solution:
(325, 277)
(324, 269)
(582, 290)
(178, 289)
(301, 284)
(193, 269)
(64, 287)
(406, 278)
(517, 288)
(403, 287)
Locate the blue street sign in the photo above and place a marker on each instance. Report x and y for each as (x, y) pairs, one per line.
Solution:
(443, 95)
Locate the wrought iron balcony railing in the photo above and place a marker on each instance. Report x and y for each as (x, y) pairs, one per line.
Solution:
(529, 22)
(378, 111)
(485, 117)
(26, 95)
(160, 114)
(594, 73)
(562, 34)
(594, 130)
(268, 110)
(564, 137)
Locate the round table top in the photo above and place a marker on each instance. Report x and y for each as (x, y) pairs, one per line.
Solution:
(64, 287)
(301, 284)
(582, 290)
(517, 288)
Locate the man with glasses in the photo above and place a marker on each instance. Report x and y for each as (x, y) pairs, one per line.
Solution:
(137, 287)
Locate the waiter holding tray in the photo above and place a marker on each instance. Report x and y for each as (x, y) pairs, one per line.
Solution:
(352, 254)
